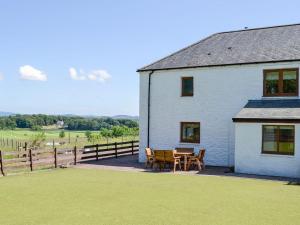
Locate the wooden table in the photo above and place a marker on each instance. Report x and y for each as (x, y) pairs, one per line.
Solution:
(185, 156)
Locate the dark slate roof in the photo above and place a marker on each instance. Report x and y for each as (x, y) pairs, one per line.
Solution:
(260, 45)
(280, 103)
(269, 109)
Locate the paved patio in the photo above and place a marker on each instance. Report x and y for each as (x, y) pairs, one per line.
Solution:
(130, 163)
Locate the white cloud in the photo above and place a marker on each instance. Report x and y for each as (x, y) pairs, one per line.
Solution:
(99, 75)
(74, 75)
(95, 75)
(30, 73)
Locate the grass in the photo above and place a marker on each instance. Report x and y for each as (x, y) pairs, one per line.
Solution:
(76, 138)
(90, 196)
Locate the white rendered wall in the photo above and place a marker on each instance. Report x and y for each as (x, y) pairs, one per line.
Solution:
(219, 94)
(249, 159)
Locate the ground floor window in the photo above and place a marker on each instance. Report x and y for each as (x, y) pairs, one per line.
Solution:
(190, 132)
(278, 139)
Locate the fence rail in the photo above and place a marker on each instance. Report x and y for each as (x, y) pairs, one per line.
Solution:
(29, 159)
(110, 150)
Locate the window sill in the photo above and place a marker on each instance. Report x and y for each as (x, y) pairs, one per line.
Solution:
(277, 155)
(189, 143)
(279, 97)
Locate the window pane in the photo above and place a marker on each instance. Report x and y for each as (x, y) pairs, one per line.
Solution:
(269, 141)
(190, 132)
(187, 86)
(286, 147)
(289, 81)
(286, 139)
(272, 81)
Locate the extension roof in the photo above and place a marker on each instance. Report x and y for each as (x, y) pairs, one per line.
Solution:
(270, 111)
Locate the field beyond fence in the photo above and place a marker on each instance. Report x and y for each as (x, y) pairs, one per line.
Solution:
(31, 158)
(11, 140)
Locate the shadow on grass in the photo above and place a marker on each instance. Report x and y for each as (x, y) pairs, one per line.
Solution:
(297, 183)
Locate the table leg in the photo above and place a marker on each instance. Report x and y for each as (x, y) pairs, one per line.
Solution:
(185, 163)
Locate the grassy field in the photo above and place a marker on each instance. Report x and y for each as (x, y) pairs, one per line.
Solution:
(11, 137)
(88, 196)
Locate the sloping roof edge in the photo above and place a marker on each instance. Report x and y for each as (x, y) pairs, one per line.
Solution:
(180, 50)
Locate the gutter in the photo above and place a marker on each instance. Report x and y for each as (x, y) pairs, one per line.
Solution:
(149, 98)
(220, 65)
(266, 120)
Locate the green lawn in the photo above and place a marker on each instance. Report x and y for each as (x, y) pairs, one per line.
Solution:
(89, 196)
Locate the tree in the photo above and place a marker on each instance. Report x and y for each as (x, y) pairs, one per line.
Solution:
(104, 132)
(36, 128)
(62, 134)
(133, 131)
(88, 134)
(118, 131)
(38, 139)
(71, 122)
(94, 138)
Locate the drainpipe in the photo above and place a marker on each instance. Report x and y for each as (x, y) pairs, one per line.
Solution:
(149, 95)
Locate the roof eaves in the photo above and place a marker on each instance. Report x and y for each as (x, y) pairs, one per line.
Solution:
(218, 65)
(265, 120)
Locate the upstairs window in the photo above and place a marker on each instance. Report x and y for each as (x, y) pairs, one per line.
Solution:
(190, 132)
(281, 82)
(187, 86)
(278, 139)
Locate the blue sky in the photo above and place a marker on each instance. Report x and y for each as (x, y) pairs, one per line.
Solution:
(102, 43)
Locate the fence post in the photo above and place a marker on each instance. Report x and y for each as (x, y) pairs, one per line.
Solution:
(55, 157)
(132, 147)
(1, 163)
(30, 158)
(75, 155)
(116, 150)
(25, 148)
(97, 154)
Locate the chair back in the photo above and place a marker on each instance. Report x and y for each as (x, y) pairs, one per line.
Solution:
(185, 150)
(201, 154)
(148, 152)
(159, 155)
(169, 155)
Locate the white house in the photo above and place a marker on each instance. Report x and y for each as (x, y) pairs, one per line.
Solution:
(235, 93)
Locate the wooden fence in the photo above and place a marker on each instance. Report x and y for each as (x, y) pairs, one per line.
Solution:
(29, 159)
(110, 150)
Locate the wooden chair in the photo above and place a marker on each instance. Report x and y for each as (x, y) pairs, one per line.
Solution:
(159, 158)
(171, 158)
(197, 160)
(150, 157)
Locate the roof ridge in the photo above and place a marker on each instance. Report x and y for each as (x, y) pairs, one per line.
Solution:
(191, 45)
(259, 28)
(192, 56)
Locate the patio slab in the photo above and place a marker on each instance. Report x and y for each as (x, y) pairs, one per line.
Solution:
(130, 163)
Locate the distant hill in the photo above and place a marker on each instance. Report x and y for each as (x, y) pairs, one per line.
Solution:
(125, 117)
(6, 113)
